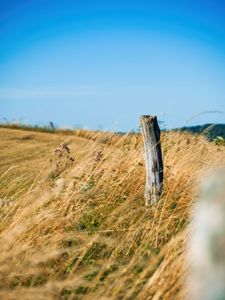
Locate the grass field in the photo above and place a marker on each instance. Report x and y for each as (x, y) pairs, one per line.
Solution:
(73, 221)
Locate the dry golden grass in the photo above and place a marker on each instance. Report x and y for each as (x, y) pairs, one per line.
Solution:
(80, 230)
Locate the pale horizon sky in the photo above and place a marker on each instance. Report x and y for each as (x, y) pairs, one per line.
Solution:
(101, 64)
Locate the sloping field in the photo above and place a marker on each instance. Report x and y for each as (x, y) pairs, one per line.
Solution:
(73, 222)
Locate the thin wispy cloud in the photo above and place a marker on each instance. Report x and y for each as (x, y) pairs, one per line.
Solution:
(24, 93)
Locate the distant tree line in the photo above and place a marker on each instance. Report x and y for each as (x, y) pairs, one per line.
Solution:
(211, 131)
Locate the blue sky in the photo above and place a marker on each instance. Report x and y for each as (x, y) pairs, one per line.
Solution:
(104, 63)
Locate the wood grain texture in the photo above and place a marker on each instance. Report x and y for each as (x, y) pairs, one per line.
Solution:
(153, 158)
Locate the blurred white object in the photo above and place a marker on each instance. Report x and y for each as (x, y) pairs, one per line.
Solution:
(206, 245)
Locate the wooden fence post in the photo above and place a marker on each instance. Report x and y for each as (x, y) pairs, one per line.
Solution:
(153, 158)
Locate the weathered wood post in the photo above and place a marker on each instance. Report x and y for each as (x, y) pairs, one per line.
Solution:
(153, 158)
